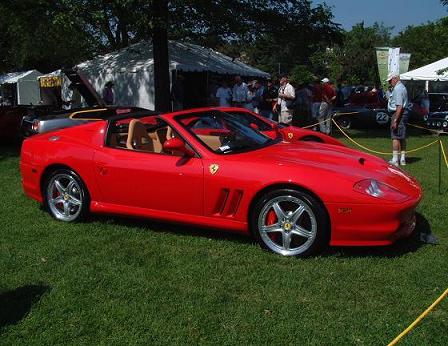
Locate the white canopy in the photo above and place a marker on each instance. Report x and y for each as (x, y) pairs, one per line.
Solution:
(132, 69)
(27, 86)
(436, 71)
(183, 56)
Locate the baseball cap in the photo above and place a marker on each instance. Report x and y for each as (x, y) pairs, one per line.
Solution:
(392, 75)
(325, 80)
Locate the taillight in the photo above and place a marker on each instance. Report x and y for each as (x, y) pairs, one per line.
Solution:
(35, 126)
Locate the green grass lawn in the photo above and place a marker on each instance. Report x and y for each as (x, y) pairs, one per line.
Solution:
(115, 281)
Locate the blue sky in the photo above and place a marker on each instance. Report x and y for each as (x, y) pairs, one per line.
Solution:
(397, 13)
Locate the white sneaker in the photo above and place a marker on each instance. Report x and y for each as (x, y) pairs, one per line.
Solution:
(402, 162)
(393, 162)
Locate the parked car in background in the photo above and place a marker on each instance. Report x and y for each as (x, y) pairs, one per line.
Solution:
(363, 109)
(437, 119)
(288, 132)
(43, 120)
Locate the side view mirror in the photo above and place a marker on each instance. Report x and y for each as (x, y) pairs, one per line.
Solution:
(177, 145)
(254, 126)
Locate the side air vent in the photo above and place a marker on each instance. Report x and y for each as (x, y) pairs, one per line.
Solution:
(221, 202)
(234, 203)
(228, 202)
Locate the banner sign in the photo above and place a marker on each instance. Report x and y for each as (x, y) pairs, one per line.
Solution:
(394, 61)
(50, 82)
(404, 62)
(382, 58)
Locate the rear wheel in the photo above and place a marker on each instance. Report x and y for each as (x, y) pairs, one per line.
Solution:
(290, 223)
(65, 196)
(344, 122)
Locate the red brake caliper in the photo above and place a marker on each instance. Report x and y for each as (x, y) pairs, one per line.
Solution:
(271, 218)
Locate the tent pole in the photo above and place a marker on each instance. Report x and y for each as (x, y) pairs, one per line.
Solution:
(427, 85)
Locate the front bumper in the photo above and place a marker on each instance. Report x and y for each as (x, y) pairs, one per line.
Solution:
(371, 224)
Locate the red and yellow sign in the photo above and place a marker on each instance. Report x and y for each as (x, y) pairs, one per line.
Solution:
(50, 81)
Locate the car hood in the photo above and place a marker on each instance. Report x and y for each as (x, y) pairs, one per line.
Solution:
(331, 161)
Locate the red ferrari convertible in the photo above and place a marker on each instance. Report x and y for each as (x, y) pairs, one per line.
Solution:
(208, 168)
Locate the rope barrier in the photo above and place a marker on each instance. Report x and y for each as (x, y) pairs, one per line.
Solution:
(320, 122)
(380, 152)
(443, 153)
(419, 318)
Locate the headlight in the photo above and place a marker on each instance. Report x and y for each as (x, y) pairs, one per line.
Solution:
(377, 189)
(445, 124)
(425, 117)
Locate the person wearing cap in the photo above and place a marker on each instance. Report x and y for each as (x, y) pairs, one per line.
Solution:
(397, 104)
(328, 98)
(108, 93)
(286, 97)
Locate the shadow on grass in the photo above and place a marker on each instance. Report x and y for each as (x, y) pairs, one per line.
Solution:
(16, 304)
(174, 228)
(9, 150)
(401, 247)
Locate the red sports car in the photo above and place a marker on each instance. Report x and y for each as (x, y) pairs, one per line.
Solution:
(206, 167)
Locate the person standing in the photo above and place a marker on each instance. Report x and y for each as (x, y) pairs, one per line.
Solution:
(286, 97)
(224, 94)
(108, 93)
(328, 98)
(239, 92)
(316, 100)
(398, 103)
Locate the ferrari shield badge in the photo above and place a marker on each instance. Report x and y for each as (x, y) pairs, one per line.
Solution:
(290, 135)
(213, 168)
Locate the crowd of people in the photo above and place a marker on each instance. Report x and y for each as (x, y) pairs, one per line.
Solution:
(280, 101)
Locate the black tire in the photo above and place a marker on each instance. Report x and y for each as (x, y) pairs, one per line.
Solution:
(65, 196)
(307, 235)
(344, 122)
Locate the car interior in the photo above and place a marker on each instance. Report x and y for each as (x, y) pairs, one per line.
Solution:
(145, 135)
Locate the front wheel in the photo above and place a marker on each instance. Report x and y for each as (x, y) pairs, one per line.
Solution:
(290, 223)
(65, 196)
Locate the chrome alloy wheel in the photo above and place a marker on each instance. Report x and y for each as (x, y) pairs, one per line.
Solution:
(287, 225)
(64, 197)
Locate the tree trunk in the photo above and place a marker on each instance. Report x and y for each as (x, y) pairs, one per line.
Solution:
(161, 59)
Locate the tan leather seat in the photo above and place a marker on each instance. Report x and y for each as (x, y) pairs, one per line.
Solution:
(214, 142)
(156, 142)
(138, 138)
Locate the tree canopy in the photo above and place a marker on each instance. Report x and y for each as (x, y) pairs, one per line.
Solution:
(292, 36)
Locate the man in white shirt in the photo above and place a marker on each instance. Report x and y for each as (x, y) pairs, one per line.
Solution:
(286, 97)
(224, 94)
(398, 105)
(239, 92)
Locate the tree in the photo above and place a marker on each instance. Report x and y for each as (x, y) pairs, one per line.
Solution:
(36, 34)
(354, 60)
(427, 43)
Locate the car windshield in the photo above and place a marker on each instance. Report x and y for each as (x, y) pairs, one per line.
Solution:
(225, 133)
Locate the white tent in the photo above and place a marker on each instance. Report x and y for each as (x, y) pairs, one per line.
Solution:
(436, 71)
(26, 84)
(132, 69)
